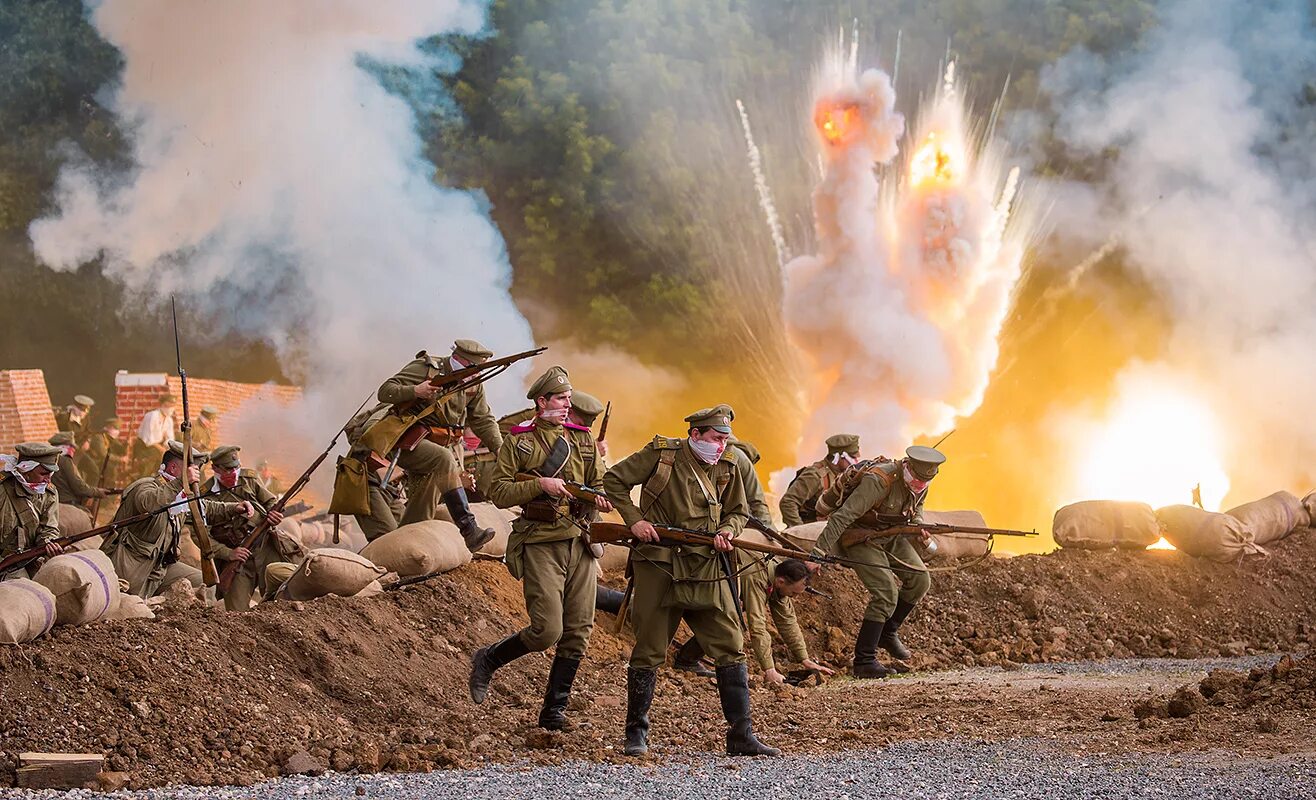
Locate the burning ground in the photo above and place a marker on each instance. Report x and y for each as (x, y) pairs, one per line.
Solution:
(374, 684)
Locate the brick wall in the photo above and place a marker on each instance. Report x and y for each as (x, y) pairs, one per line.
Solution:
(25, 413)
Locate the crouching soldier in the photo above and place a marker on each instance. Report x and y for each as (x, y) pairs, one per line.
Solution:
(233, 484)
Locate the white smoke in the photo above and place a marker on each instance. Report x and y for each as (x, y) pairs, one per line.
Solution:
(276, 179)
(1210, 191)
(899, 311)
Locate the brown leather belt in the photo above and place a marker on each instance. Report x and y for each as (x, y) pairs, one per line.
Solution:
(444, 435)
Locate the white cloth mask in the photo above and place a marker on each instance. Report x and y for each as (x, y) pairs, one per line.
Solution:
(708, 452)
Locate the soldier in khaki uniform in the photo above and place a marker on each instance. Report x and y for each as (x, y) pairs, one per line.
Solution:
(797, 502)
(546, 551)
(102, 443)
(434, 466)
(386, 507)
(29, 504)
(888, 489)
(146, 554)
(73, 490)
(233, 484)
(203, 429)
(76, 417)
(689, 483)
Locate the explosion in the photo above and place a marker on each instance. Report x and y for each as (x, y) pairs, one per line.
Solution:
(933, 163)
(836, 122)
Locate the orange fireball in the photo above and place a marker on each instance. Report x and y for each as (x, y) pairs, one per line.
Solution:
(933, 163)
(835, 122)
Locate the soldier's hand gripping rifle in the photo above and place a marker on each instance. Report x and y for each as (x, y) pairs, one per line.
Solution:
(198, 519)
(670, 535)
(253, 539)
(400, 430)
(577, 490)
(21, 559)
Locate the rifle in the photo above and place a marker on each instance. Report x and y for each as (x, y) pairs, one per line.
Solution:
(772, 533)
(603, 426)
(251, 540)
(885, 525)
(10, 563)
(198, 519)
(619, 533)
(100, 484)
(577, 490)
(400, 430)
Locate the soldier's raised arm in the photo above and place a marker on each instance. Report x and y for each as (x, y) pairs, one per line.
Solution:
(401, 388)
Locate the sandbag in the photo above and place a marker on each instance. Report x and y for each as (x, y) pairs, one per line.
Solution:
(1309, 503)
(1206, 534)
(953, 547)
(130, 606)
(500, 520)
(614, 557)
(330, 570)
(73, 520)
(806, 535)
(1272, 518)
(27, 610)
(1106, 524)
(421, 548)
(84, 585)
(277, 573)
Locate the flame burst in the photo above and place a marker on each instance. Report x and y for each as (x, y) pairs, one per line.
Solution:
(835, 121)
(933, 163)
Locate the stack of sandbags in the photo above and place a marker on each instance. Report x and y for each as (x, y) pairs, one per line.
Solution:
(422, 548)
(1272, 518)
(27, 610)
(330, 570)
(1206, 534)
(806, 535)
(957, 545)
(487, 515)
(1106, 524)
(74, 520)
(84, 584)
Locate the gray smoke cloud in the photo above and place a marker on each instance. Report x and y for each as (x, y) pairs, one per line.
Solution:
(277, 180)
(1210, 193)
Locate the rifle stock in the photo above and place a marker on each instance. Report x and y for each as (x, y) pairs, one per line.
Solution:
(898, 526)
(577, 490)
(10, 563)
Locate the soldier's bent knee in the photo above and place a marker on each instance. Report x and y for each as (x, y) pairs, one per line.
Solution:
(541, 637)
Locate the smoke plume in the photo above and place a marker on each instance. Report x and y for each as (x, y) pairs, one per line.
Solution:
(278, 182)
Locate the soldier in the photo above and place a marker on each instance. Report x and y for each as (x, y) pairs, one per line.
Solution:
(92, 458)
(146, 554)
(480, 463)
(689, 483)
(233, 484)
(585, 408)
(29, 504)
(203, 428)
(886, 488)
(73, 490)
(153, 436)
(435, 465)
(797, 503)
(267, 478)
(546, 551)
(74, 418)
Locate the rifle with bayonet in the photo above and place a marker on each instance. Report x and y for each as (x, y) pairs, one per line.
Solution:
(252, 539)
(874, 525)
(400, 430)
(198, 519)
(603, 426)
(20, 559)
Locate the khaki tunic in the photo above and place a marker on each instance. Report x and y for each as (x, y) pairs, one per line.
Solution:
(797, 502)
(559, 576)
(758, 504)
(225, 536)
(435, 469)
(90, 459)
(203, 436)
(72, 488)
(27, 519)
(890, 566)
(756, 592)
(140, 551)
(672, 584)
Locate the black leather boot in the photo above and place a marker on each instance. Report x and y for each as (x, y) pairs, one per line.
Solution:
(553, 715)
(865, 663)
(889, 641)
(608, 599)
(488, 659)
(639, 695)
(733, 689)
(689, 659)
(460, 511)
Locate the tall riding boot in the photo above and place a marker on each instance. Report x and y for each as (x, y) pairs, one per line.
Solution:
(865, 652)
(553, 715)
(689, 658)
(608, 599)
(460, 511)
(488, 659)
(889, 641)
(733, 688)
(639, 695)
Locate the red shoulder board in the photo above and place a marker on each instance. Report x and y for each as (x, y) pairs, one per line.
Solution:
(573, 426)
(524, 427)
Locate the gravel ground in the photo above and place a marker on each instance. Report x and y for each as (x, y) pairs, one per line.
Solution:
(942, 770)
(1120, 666)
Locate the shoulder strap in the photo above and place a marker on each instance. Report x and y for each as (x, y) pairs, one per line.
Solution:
(657, 481)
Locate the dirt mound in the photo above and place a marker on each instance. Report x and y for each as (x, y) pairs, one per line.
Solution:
(1288, 685)
(205, 697)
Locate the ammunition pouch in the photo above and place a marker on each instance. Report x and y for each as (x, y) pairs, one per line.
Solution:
(444, 436)
(539, 511)
(351, 488)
